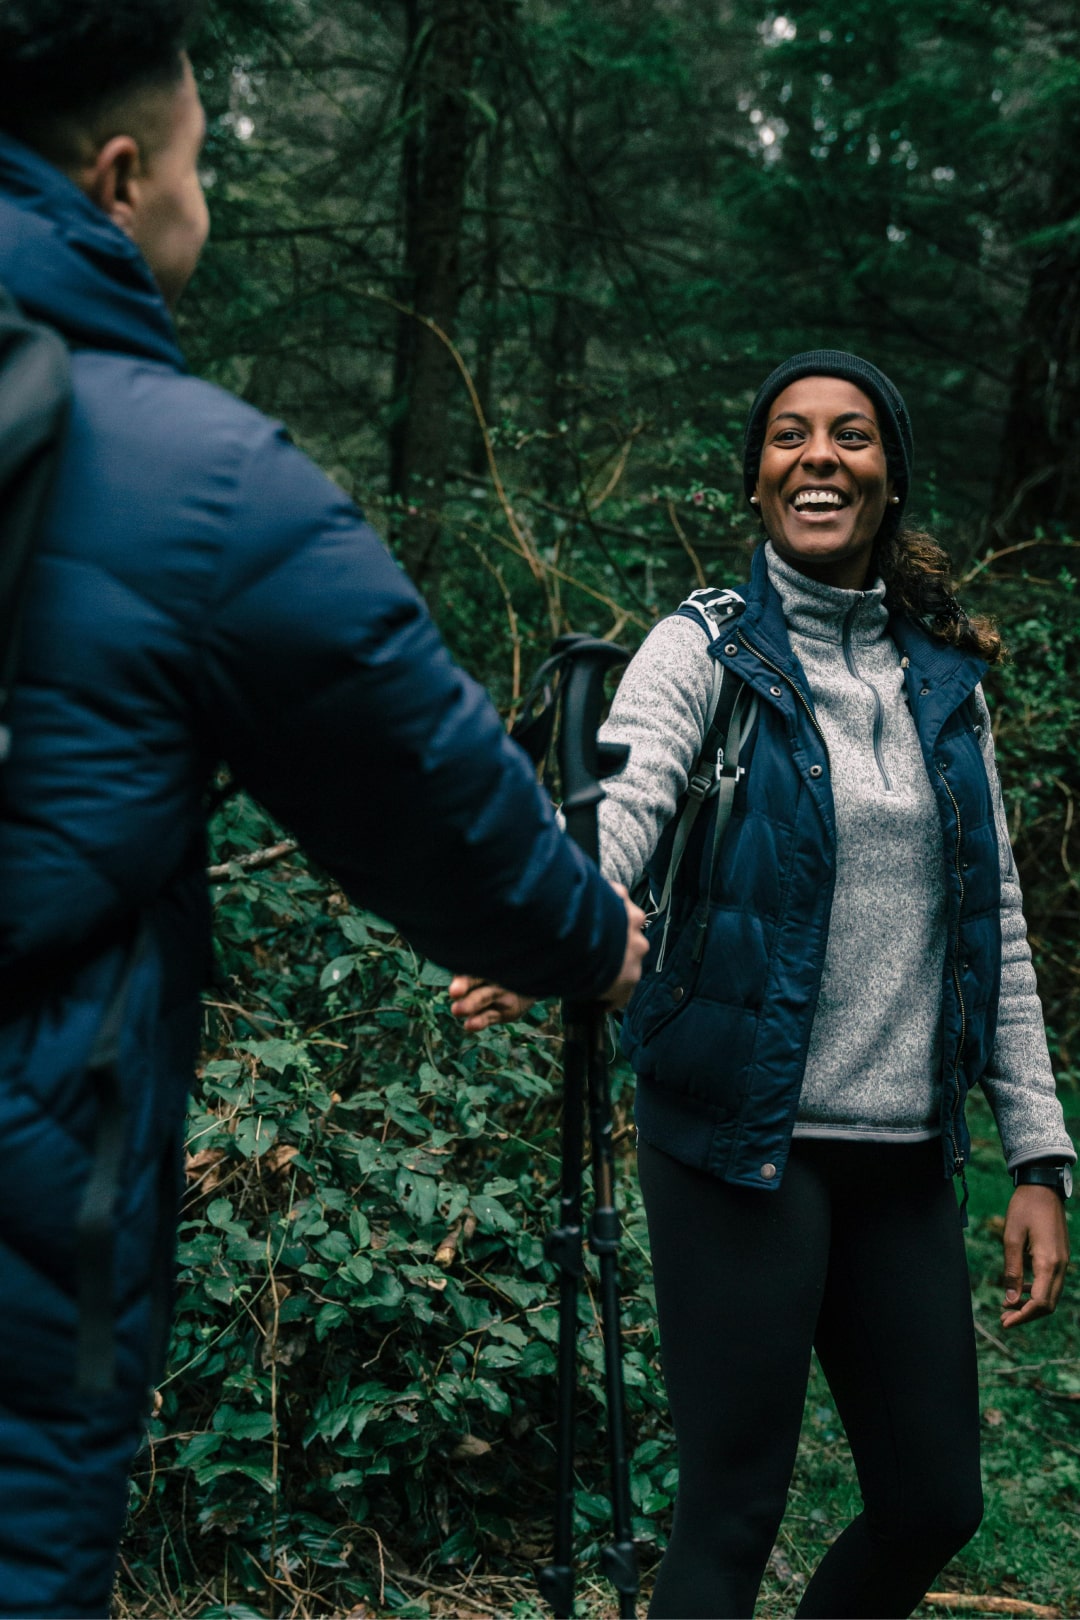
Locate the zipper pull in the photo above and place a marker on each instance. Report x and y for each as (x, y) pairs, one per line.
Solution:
(959, 1170)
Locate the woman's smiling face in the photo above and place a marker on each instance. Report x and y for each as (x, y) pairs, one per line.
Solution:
(823, 483)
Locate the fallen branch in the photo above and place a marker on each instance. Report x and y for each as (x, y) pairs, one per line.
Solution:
(418, 1583)
(257, 861)
(992, 1338)
(984, 1603)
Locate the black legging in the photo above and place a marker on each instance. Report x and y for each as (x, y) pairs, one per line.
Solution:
(860, 1256)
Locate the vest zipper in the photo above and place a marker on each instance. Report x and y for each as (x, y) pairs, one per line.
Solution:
(958, 1158)
(879, 708)
(757, 652)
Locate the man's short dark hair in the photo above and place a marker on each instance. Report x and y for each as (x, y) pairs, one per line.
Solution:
(62, 62)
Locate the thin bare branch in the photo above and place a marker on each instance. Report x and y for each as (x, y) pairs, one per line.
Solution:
(256, 861)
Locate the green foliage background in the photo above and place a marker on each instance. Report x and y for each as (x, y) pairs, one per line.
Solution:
(660, 201)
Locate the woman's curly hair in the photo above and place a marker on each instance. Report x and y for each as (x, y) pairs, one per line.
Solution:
(918, 580)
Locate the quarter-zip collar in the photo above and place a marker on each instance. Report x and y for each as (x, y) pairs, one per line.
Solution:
(938, 677)
(826, 612)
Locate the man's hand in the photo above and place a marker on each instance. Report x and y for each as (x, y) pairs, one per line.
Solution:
(619, 993)
(1035, 1226)
(480, 1002)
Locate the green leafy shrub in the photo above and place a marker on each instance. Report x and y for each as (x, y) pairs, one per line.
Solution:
(361, 1370)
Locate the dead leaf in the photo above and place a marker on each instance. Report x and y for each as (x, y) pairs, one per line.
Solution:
(284, 1350)
(204, 1168)
(993, 1416)
(444, 1254)
(470, 1445)
(196, 1162)
(780, 1567)
(279, 1156)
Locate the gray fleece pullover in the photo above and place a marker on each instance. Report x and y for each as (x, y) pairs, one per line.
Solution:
(873, 1068)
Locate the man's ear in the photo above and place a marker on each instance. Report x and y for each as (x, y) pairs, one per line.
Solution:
(112, 180)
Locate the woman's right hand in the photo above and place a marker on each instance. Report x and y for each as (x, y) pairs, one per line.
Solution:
(480, 1002)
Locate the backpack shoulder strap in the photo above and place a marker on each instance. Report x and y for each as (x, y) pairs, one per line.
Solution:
(714, 611)
(731, 713)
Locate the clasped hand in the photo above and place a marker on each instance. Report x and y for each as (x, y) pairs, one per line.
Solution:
(480, 1002)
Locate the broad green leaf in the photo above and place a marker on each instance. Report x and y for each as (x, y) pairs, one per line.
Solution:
(491, 1215)
(336, 972)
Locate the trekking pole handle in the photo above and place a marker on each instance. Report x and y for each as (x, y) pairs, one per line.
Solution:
(584, 761)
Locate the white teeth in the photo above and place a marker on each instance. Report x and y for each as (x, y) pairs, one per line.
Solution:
(817, 497)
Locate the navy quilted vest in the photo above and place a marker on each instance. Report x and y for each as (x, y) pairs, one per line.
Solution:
(719, 1044)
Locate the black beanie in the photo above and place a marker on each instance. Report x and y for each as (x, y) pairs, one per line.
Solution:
(892, 413)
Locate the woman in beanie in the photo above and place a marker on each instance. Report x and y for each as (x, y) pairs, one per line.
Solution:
(834, 977)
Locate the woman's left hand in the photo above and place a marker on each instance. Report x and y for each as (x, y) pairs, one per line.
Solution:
(1035, 1227)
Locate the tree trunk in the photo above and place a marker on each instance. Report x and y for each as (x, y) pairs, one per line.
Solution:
(568, 334)
(490, 265)
(433, 268)
(1038, 483)
(409, 186)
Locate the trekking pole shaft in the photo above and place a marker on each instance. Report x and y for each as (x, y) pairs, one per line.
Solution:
(620, 1557)
(564, 1248)
(583, 762)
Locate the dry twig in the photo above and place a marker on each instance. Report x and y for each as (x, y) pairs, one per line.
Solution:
(256, 861)
(684, 541)
(987, 1603)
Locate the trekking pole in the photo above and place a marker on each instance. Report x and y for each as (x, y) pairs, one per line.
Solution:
(582, 663)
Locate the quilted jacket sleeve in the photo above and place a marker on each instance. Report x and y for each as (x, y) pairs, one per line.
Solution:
(1019, 1080)
(336, 703)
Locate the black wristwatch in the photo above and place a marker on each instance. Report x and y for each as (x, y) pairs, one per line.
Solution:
(1045, 1173)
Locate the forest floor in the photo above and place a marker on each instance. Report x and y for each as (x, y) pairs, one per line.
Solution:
(1024, 1561)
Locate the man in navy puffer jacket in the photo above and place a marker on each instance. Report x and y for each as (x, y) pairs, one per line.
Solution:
(200, 593)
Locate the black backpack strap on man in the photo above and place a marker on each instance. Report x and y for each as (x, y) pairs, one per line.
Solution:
(731, 713)
(35, 393)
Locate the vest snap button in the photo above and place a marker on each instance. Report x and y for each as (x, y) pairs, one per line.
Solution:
(815, 771)
(776, 691)
(925, 692)
(678, 993)
(768, 1171)
(731, 649)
